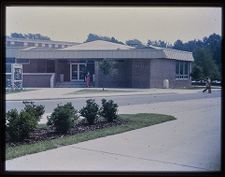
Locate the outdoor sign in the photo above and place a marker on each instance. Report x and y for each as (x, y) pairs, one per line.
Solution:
(17, 76)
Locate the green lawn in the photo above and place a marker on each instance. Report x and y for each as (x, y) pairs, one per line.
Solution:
(135, 121)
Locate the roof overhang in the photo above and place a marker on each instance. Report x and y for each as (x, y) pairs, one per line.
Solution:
(111, 54)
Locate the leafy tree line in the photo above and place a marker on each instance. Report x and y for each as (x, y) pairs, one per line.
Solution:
(29, 36)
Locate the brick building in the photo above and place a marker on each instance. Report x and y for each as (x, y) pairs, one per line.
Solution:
(64, 64)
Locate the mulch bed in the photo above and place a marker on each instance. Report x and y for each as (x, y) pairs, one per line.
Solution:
(41, 134)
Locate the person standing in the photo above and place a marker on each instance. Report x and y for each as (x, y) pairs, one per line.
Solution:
(88, 79)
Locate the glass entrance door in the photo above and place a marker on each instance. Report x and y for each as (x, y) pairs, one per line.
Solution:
(77, 72)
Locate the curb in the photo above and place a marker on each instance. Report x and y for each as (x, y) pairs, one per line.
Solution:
(60, 98)
(89, 96)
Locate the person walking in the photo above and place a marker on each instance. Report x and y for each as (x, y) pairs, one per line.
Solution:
(207, 85)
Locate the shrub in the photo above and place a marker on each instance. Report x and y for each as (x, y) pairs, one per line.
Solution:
(63, 118)
(37, 110)
(90, 112)
(108, 110)
(19, 126)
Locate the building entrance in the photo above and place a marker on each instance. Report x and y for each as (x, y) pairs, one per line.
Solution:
(77, 71)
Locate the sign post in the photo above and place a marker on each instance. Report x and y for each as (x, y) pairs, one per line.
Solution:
(17, 76)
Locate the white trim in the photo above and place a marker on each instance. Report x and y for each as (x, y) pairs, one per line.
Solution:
(182, 79)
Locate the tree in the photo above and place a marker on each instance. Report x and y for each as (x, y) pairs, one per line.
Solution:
(105, 67)
(135, 43)
(159, 43)
(204, 66)
(213, 43)
(178, 44)
(94, 37)
(29, 36)
(197, 73)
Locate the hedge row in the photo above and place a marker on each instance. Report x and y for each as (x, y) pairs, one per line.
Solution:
(19, 125)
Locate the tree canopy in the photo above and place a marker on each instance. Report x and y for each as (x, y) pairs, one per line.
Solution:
(29, 36)
(135, 43)
(94, 37)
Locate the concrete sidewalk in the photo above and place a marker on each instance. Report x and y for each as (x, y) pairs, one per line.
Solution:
(69, 93)
(190, 143)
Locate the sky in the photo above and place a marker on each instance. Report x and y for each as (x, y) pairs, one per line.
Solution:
(74, 23)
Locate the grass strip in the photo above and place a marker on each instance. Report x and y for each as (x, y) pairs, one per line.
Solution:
(135, 121)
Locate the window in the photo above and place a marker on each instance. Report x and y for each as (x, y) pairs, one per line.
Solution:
(182, 70)
(10, 60)
(23, 61)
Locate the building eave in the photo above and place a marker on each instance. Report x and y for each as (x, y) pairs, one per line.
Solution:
(111, 54)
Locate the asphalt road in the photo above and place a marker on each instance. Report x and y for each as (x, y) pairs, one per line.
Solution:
(120, 100)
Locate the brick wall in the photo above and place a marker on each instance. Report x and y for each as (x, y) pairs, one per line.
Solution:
(34, 80)
(162, 69)
(62, 67)
(35, 66)
(165, 69)
(140, 73)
